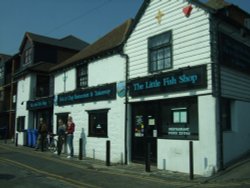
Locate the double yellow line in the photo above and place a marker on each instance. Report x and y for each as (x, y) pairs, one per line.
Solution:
(72, 182)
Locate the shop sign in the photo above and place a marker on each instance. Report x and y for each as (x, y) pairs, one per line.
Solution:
(40, 103)
(106, 92)
(180, 80)
(174, 131)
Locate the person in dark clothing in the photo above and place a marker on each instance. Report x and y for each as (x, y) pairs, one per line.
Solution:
(61, 135)
(42, 134)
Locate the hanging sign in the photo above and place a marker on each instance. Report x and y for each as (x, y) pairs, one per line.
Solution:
(179, 80)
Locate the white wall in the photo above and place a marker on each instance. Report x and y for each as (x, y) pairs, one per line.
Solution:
(174, 154)
(65, 81)
(191, 36)
(102, 71)
(236, 142)
(108, 70)
(24, 87)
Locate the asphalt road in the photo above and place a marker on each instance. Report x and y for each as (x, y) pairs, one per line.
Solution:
(24, 167)
(21, 167)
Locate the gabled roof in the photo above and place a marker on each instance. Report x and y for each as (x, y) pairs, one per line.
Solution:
(212, 6)
(4, 57)
(111, 41)
(69, 42)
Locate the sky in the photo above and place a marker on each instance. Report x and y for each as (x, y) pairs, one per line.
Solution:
(86, 19)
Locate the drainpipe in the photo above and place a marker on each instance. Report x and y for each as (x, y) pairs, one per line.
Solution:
(126, 108)
(217, 88)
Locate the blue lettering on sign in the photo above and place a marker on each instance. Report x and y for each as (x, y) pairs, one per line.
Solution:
(183, 79)
(103, 92)
(82, 96)
(138, 86)
(38, 104)
(152, 84)
(169, 81)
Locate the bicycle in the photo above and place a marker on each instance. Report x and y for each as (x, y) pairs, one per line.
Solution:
(52, 141)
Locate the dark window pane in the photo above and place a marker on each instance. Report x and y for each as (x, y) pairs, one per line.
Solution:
(160, 52)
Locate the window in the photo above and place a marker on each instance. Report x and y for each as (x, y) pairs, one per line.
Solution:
(179, 115)
(20, 123)
(98, 123)
(226, 114)
(179, 119)
(160, 52)
(82, 76)
(28, 56)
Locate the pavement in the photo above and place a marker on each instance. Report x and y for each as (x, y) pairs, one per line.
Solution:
(239, 172)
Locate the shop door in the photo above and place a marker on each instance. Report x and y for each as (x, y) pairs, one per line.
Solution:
(144, 130)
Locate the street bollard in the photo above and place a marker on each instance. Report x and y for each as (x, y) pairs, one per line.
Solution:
(191, 161)
(108, 153)
(147, 158)
(16, 139)
(80, 149)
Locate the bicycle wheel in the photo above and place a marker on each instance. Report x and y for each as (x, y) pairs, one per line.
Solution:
(53, 146)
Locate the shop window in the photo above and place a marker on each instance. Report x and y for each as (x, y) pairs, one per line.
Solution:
(82, 76)
(179, 115)
(98, 123)
(160, 52)
(180, 119)
(20, 123)
(226, 114)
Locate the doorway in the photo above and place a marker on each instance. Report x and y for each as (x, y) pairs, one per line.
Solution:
(144, 130)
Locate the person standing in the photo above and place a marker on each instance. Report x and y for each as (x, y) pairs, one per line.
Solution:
(42, 134)
(61, 135)
(70, 136)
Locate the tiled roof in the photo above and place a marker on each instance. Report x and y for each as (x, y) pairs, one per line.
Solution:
(69, 42)
(109, 42)
(4, 57)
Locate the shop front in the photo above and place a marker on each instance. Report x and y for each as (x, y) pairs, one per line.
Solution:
(156, 118)
(41, 108)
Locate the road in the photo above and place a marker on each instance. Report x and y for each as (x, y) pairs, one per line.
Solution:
(24, 167)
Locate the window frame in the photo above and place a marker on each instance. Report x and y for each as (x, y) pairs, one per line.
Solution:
(84, 76)
(20, 123)
(27, 58)
(159, 47)
(92, 125)
(180, 110)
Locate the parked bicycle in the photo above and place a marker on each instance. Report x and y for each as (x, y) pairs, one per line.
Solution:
(52, 142)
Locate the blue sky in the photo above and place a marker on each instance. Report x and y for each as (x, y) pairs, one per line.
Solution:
(85, 19)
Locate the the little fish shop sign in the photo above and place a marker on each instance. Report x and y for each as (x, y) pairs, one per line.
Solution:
(105, 92)
(180, 80)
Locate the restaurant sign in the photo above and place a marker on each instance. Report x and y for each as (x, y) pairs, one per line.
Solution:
(105, 92)
(179, 80)
(40, 103)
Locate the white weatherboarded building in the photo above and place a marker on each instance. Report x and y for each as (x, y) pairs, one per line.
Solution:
(90, 87)
(184, 85)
